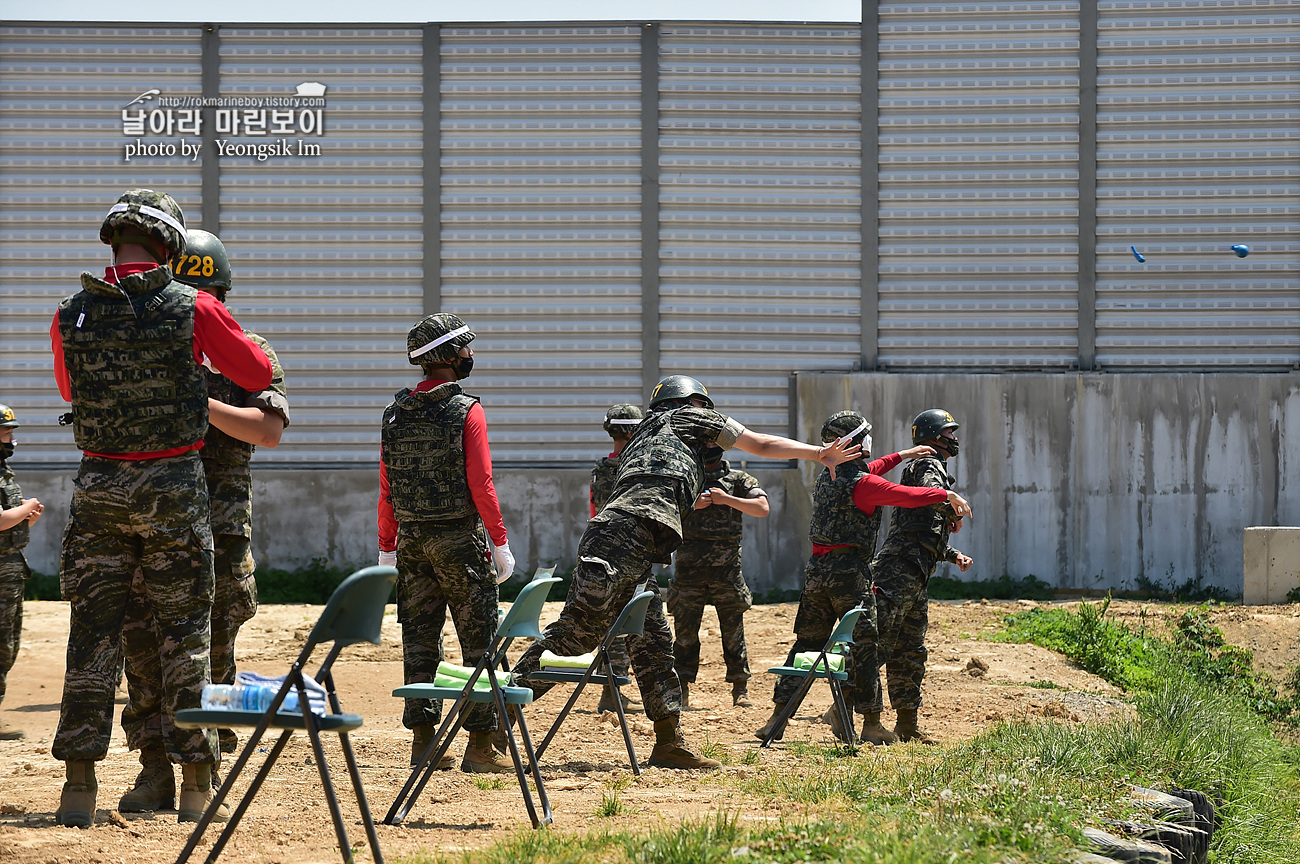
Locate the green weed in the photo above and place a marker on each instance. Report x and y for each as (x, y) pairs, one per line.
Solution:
(610, 805)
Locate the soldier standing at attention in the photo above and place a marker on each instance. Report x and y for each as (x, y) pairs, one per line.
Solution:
(436, 500)
(238, 420)
(659, 480)
(127, 353)
(17, 515)
(708, 571)
(843, 530)
(620, 422)
(916, 543)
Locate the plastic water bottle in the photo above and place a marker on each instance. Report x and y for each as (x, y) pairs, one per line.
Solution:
(238, 697)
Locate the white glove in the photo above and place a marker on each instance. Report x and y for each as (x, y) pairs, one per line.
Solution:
(387, 559)
(505, 561)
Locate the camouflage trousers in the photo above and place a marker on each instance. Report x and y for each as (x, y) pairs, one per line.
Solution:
(614, 558)
(13, 577)
(441, 568)
(724, 587)
(903, 609)
(235, 601)
(833, 584)
(127, 518)
(619, 656)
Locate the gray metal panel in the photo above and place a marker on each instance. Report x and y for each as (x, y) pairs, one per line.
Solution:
(62, 165)
(978, 184)
(1198, 149)
(759, 184)
(541, 207)
(326, 251)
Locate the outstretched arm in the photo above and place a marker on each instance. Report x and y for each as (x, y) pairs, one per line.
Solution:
(259, 426)
(776, 447)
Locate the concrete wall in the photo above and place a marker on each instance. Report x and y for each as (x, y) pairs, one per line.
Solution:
(1098, 480)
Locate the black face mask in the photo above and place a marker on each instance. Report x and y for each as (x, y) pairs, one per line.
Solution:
(6, 450)
(952, 444)
(462, 366)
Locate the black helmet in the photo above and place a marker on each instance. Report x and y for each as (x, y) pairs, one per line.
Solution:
(204, 263)
(437, 339)
(146, 217)
(675, 388)
(849, 423)
(928, 424)
(8, 417)
(623, 418)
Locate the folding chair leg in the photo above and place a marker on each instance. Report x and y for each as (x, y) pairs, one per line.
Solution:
(441, 743)
(519, 769)
(366, 819)
(559, 719)
(331, 797)
(244, 802)
(788, 711)
(622, 722)
(845, 711)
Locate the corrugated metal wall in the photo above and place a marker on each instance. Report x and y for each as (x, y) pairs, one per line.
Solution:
(62, 164)
(1198, 149)
(541, 239)
(759, 166)
(978, 184)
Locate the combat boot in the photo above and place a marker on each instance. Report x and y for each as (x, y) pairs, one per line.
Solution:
(77, 803)
(424, 733)
(832, 718)
(873, 732)
(907, 729)
(608, 694)
(766, 729)
(670, 748)
(155, 785)
(196, 794)
(9, 732)
(482, 758)
(686, 695)
(740, 695)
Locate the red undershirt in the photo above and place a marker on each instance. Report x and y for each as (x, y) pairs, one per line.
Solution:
(215, 334)
(478, 471)
(872, 491)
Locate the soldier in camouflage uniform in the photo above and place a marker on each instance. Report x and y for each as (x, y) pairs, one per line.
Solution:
(17, 515)
(438, 509)
(708, 571)
(660, 477)
(917, 542)
(238, 420)
(845, 522)
(126, 351)
(620, 422)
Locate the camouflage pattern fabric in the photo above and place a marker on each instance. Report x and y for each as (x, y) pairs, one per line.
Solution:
(444, 567)
(11, 496)
(836, 519)
(614, 558)
(135, 337)
(13, 575)
(422, 445)
(150, 517)
(602, 486)
(834, 583)
(921, 534)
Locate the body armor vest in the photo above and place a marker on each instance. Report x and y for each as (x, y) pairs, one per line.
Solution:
(423, 439)
(657, 451)
(927, 526)
(10, 497)
(718, 522)
(836, 520)
(602, 481)
(130, 359)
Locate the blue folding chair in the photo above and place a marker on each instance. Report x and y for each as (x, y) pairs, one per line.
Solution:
(630, 621)
(355, 613)
(821, 668)
(520, 621)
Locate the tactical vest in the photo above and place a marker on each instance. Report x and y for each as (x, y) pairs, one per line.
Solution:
(602, 481)
(657, 451)
(718, 522)
(423, 439)
(135, 385)
(10, 497)
(927, 526)
(836, 520)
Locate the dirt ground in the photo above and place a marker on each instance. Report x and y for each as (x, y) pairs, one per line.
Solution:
(289, 823)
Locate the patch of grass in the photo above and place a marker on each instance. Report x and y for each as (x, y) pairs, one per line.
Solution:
(777, 595)
(311, 584)
(42, 586)
(711, 749)
(702, 841)
(1004, 588)
(1045, 685)
(610, 805)
(1193, 590)
(489, 784)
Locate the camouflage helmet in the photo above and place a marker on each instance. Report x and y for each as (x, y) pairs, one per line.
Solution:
(928, 424)
(623, 418)
(673, 388)
(145, 215)
(847, 423)
(8, 418)
(437, 339)
(204, 263)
